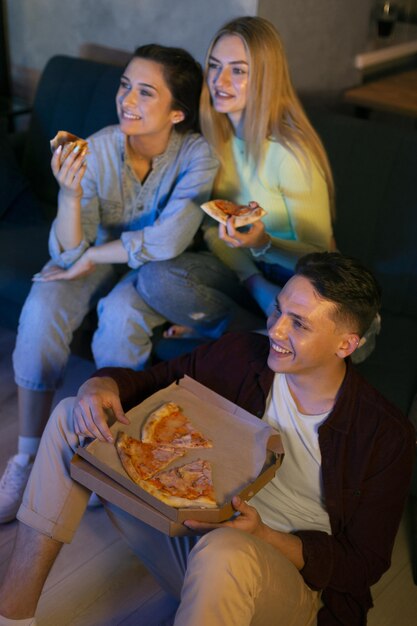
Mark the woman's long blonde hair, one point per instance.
(273, 109)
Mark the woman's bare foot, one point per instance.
(176, 331)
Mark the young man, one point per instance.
(309, 545)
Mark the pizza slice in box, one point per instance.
(243, 214)
(189, 485)
(169, 425)
(167, 434)
(142, 460)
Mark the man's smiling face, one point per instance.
(303, 333)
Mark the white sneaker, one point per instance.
(12, 486)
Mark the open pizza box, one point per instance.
(245, 455)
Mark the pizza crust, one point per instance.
(243, 220)
(177, 502)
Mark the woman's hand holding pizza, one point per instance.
(248, 520)
(97, 403)
(68, 166)
(255, 237)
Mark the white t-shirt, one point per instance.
(293, 499)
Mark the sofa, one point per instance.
(376, 204)
(374, 168)
(73, 94)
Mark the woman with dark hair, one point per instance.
(130, 199)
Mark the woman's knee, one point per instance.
(42, 344)
(189, 269)
(113, 307)
(44, 308)
(160, 277)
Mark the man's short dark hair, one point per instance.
(346, 282)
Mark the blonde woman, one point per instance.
(269, 153)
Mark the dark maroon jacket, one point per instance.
(367, 448)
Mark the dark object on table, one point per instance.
(386, 15)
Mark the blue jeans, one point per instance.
(54, 310)
(198, 290)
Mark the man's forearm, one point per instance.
(289, 545)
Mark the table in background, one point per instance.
(396, 93)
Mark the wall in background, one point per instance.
(321, 36)
(38, 29)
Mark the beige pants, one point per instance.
(228, 579)
(234, 579)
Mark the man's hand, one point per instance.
(83, 266)
(255, 237)
(248, 521)
(97, 401)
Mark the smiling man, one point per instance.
(310, 544)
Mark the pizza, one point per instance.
(167, 434)
(189, 485)
(169, 425)
(63, 137)
(142, 460)
(243, 214)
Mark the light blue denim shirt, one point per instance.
(156, 220)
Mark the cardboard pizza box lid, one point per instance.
(246, 454)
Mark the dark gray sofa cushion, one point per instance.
(375, 171)
(75, 95)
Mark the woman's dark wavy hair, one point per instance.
(345, 282)
(184, 77)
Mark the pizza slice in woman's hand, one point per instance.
(63, 137)
(243, 214)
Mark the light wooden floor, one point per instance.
(97, 581)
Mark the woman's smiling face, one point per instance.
(228, 77)
(144, 101)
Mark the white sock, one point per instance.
(5, 621)
(28, 445)
(22, 459)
